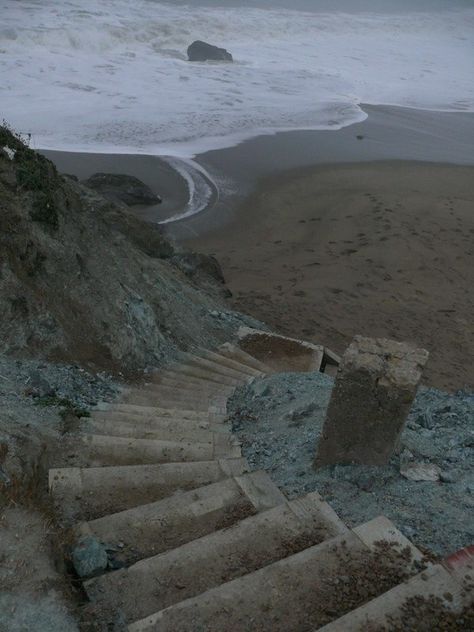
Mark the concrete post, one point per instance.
(374, 390)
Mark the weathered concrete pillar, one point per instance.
(375, 387)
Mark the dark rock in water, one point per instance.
(89, 557)
(122, 188)
(201, 51)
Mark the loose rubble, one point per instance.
(279, 419)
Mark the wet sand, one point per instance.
(377, 248)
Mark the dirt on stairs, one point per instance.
(184, 538)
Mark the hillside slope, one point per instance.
(83, 280)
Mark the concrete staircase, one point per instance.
(201, 543)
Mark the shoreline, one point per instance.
(324, 235)
(388, 133)
(183, 185)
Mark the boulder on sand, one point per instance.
(122, 188)
(201, 51)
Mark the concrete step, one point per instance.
(173, 402)
(163, 580)
(191, 370)
(215, 366)
(301, 592)
(157, 423)
(230, 363)
(157, 411)
(384, 612)
(132, 430)
(101, 450)
(186, 383)
(163, 525)
(190, 385)
(235, 353)
(170, 393)
(89, 493)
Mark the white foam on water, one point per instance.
(201, 187)
(111, 76)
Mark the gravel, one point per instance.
(39, 402)
(279, 420)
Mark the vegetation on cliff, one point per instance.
(84, 280)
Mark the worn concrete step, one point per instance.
(384, 612)
(192, 392)
(171, 393)
(301, 592)
(102, 450)
(155, 423)
(141, 431)
(197, 404)
(215, 366)
(156, 527)
(231, 363)
(88, 493)
(189, 384)
(160, 581)
(235, 353)
(157, 411)
(192, 370)
(185, 382)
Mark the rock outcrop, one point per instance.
(119, 187)
(202, 51)
(82, 280)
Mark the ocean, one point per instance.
(113, 76)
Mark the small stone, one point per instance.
(408, 531)
(449, 476)
(421, 472)
(89, 557)
(426, 420)
(4, 478)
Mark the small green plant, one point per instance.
(44, 210)
(67, 407)
(34, 174)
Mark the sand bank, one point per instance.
(378, 248)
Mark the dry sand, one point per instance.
(381, 249)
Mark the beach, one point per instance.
(379, 249)
(326, 235)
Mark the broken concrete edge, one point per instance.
(375, 387)
(399, 362)
(321, 355)
(461, 565)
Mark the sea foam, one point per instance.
(112, 76)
